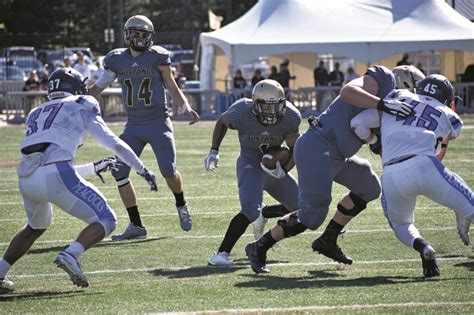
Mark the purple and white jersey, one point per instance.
(143, 90)
(64, 122)
(254, 137)
(420, 133)
(336, 119)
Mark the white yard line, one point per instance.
(384, 230)
(319, 308)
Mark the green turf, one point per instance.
(169, 272)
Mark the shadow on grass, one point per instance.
(281, 283)
(468, 265)
(101, 244)
(12, 296)
(194, 272)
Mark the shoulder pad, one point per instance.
(87, 102)
(109, 58)
(160, 50)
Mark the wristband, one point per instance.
(215, 148)
(381, 105)
(444, 145)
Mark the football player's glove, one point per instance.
(150, 178)
(395, 107)
(376, 147)
(105, 165)
(278, 172)
(212, 158)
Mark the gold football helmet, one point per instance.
(407, 77)
(138, 32)
(269, 101)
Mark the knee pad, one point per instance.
(122, 181)
(109, 225)
(122, 172)
(293, 226)
(359, 205)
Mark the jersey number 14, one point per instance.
(144, 91)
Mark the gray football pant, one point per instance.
(318, 165)
(253, 181)
(159, 134)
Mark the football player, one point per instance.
(54, 131)
(411, 166)
(266, 120)
(144, 71)
(326, 154)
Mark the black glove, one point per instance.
(150, 178)
(105, 165)
(395, 107)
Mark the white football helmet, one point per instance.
(139, 32)
(269, 101)
(407, 77)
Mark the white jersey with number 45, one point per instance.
(420, 133)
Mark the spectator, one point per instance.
(96, 74)
(67, 63)
(273, 73)
(43, 78)
(351, 75)
(239, 81)
(81, 66)
(404, 61)
(33, 82)
(257, 76)
(284, 75)
(321, 76)
(336, 77)
(420, 67)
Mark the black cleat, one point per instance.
(257, 260)
(428, 259)
(330, 250)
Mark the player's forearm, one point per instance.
(94, 90)
(357, 96)
(219, 133)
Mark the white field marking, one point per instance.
(246, 235)
(319, 308)
(293, 264)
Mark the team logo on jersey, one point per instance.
(264, 138)
(135, 65)
(136, 72)
(265, 133)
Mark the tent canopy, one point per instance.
(365, 30)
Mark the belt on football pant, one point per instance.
(399, 160)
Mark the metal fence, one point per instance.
(15, 104)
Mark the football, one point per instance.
(274, 154)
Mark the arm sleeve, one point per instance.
(99, 131)
(85, 170)
(106, 78)
(363, 122)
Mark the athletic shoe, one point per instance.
(132, 232)
(70, 264)
(330, 250)
(221, 259)
(185, 218)
(258, 260)
(5, 283)
(428, 259)
(463, 224)
(259, 226)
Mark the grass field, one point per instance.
(168, 272)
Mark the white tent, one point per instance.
(365, 30)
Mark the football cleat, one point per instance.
(259, 226)
(428, 259)
(185, 218)
(258, 260)
(221, 259)
(132, 232)
(5, 283)
(463, 224)
(70, 264)
(330, 250)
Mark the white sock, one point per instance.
(76, 249)
(4, 268)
